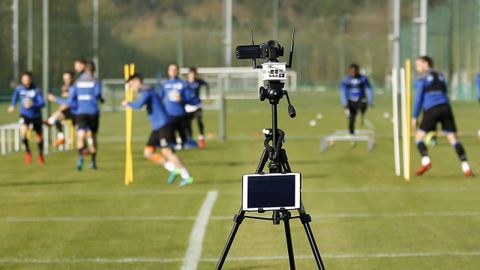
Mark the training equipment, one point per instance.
(367, 136)
(128, 70)
(405, 82)
(274, 138)
(273, 191)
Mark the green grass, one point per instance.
(358, 206)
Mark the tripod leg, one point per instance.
(305, 218)
(291, 258)
(263, 161)
(284, 161)
(237, 221)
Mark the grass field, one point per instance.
(53, 217)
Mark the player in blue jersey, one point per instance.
(175, 95)
(162, 135)
(64, 114)
(31, 103)
(431, 99)
(194, 110)
(356, 94)
(85, 94)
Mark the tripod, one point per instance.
(278, 164)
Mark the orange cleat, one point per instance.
(28, 158)
(40, 160)
(468, 173)
(423, 169)
(59, 142)
(201, 143)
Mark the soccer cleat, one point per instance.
(186, 181)
(28, 158)
(172, 176)
(422, 169)
(80, 163)
(466, 169)
(40, 160)
(93, 165)
(201, 143)
(59, 142)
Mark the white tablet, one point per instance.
(272, 191)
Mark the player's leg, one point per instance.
(450, 128)
(188, 126)
(58, 125)
(172, 160)
(23, 136)
(82, 127)
(363, 110)
(352, 115)
(183, 130)
(93, 143)
(201, 128)
(37, 127)
(428, 124)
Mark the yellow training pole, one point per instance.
(408, 88)
(128, 70)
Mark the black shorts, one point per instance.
(87, 122)
(162, 137)
(195, 114)
(439, 114)
(35, 122)
(68, 115)
(355, 106)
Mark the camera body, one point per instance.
(269, 50)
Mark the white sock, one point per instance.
(60, 135)
(184, 173)
(425, 160)
(51, 120)
(169, 166)
(200, 137)
(465, 166)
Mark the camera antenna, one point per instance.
(290, 58)
(254, 61)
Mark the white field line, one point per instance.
(345, 215)
(201, 192)
(344, 256)
(194, 250)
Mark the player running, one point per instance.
(432, 99)
(31, 102)
(175, 95)
(65, 114)
(85, 94)
(194, 111)
(162, 134)
(356, 94)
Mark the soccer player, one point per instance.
(162, 134)
(195, 111)
(31, 102)
(431, 99)
(85, 94)
(356, 94)
(65, 114)
(175, 95)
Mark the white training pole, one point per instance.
(45, 140)
(9, 140)
(17, 138)
(2, 140)
(396, 127)
(66, 132)
(403, 99)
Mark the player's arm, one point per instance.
(207, 89)
(343, 93)
(98, 92)
(417, 105)
(39, 101)
(14, 101)
(71, 99)
(369, 88)
(139, 103)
